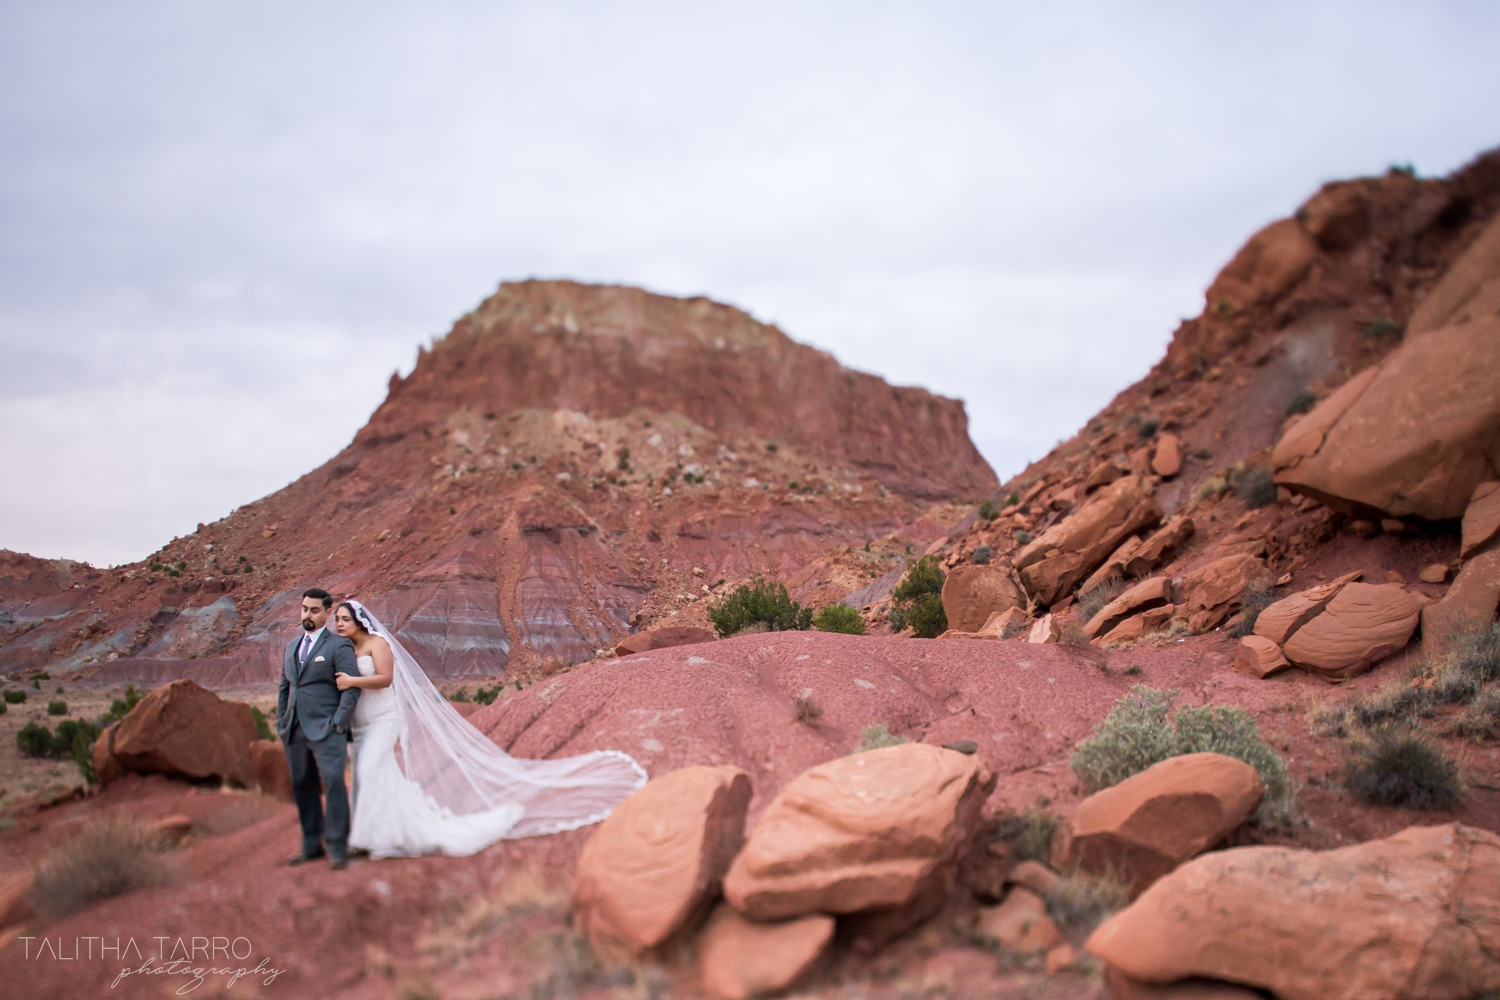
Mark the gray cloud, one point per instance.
(223, 226)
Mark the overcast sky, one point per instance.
(223, 225)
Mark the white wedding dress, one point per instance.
(428, 782)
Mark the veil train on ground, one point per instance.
(463, 772)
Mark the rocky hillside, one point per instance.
(1334, 409)
(568, 461)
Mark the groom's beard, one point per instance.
(308, 626)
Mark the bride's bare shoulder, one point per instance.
(374, 645)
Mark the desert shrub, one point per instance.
(1234, 733)
(759, 603)
(1255, 602)
(34, 740)
(1148, 428)
(1380, 328)
(1022, 536)
(987, 511)
(262, 724)
(15, 697)
(1013, 498)
(839, 618)
(121, 707)
(3, 708)
(487, 695)
(57, 707)
(1303, 400)
(982, 555)
(107, 858)
(1211, 487)
(1481, 720)
(1136, 734)
(877, 736)
(804, 708)
(1083, 900)
(1141, 731)
(1092, 601)
(1400, 767)
(1028, 833)
(919, 599)
(1255, 487)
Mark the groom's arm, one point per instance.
(343, 663)
(282, 694)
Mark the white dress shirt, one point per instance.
(307, 642)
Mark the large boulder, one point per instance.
(1470, 603)
(876, 830)
(1410, 437)
(663, 638)
(1065, 554)
(1363, 624)
(740, 958)
(1266, 267)
(973, 593)
(186, 731)
(1281, 620)
(272, 776)
(1481, 523)
(1212, 592)
(653, 867)
(1153, 821)
(1469, 288)
(107, 767)
(1415, 916)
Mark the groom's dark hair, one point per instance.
(319, 594)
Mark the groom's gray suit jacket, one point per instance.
(308, 691)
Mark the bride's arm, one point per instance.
(385, 665)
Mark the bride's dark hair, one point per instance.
(354, 613)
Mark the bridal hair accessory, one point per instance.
(366, 620)
(463, 772)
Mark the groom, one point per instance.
(312, 718)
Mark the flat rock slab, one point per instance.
(654, 865)
(1151, 822)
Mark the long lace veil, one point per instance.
(464, 772)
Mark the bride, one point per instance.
(427, 782)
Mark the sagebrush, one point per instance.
(1395, 766)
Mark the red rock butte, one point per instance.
(568, 461)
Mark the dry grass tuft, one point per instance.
(1028, 833)
(804, 708)
(1083, 900)
(109, 857)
